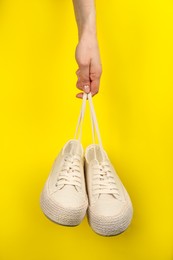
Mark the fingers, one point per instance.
(94, 78)
(79, 95)
(95, 74)
(95, 86)
(88, 59)
(83, 82)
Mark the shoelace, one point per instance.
(104, 181)
(70, 172)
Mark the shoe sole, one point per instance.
(110, 225)
(59, 214)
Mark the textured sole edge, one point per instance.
(59, 214)
(110, 226)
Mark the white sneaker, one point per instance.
(64, 198)
(110, 209)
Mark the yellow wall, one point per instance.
(39, 113)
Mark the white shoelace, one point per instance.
(104, 181)
(70, 171)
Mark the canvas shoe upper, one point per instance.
(64, 198)
(110, 208)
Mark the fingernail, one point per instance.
(86, 88)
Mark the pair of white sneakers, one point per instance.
(80, 183)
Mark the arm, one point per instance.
(87, 50)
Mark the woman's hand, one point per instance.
(87, 50)
(88, 60)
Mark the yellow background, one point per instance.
(39, 113)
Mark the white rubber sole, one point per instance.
(60, 215)
(110, 225)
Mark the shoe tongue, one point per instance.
(94, 162)
(73, 147)
(94, 151)
(76, 149)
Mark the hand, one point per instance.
(90, 69)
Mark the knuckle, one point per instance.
(78, 84)
(85, 82)
(96, 74)
(95, 91)
(84, 77)
(77, 72)
(83, 62)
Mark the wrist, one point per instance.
(87, 28)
